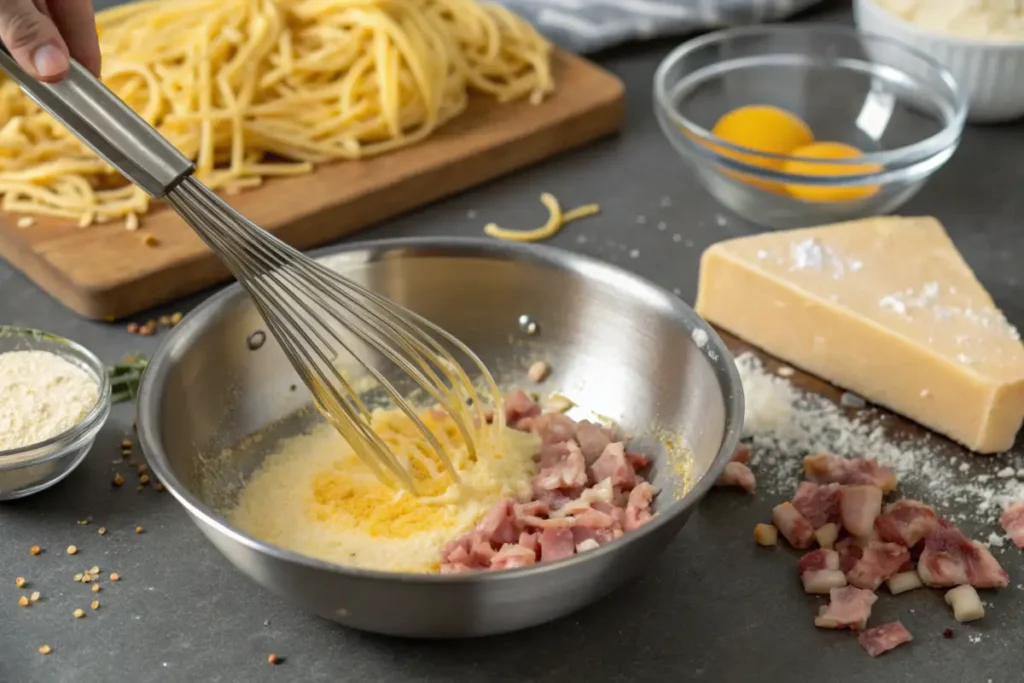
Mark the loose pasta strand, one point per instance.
(556, 221)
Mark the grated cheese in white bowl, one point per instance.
(41, 395)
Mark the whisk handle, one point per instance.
(101, 120)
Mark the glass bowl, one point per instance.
(30, 469)
(901, 108)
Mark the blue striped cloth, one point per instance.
(590, 25)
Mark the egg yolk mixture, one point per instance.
(314, 495)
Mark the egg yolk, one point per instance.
(826, 151)
(761, 128)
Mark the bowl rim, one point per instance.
(910, 28)
(714, 349)
(922, 149)
(57, 446)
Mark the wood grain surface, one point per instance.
(107, 272)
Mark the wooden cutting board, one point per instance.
(106, 272)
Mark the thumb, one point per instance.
(33, 40)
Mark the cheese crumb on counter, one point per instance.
(41, 396)
(315, 496)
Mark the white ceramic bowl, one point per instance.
(991, 73)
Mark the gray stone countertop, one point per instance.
(713, 608)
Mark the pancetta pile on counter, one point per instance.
(862, 542)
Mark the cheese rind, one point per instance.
(886, 307)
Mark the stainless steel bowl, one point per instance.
(618, 345)
(37, 467)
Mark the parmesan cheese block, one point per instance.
(885, 307)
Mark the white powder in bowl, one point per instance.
(41, 396)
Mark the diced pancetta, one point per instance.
(951, 559)
(906, 522)
(638, 508)
(848, 607)
(599, 536)
(535, 508)
(554, 427)
(739, 475)
(532, 522)
(592, 440)
(850, 551)
(859, 506)
(567, 474)
(903, 582)
(556, 544)
(881, 639)
(966, 604)
(531, 541)
(614, 465)
(822, 581)
(879, 561)
(817, 560)
(512, 556)
(819, 571)
(766, 535)
(601, 492)
(819, 503)
(1012, 521)
(553, 453)
(792, 525)
(637, 460)
(519, 406)
(595, 519)
(565, 515)
(827, 535)
(499, 524)
(832, 469)
(741, 454)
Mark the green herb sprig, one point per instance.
(125, 377)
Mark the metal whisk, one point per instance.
(318, 317)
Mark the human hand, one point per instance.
(43, 34)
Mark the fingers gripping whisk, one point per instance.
(330, 327)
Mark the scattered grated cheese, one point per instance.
(784, 423)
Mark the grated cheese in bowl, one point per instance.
(54, 398)
(41, 395)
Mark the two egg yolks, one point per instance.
(771, 130)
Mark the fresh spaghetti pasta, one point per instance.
(251, 89)
(556, 221)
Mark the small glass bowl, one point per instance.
(901, 108)
(28, 470)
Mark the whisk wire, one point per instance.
(307, 306)
(291, 333)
